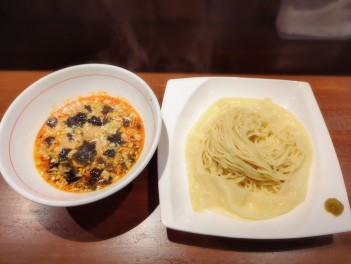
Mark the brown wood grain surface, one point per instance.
(126, 227)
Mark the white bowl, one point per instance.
(32, 107)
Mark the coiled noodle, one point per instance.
(249, 158)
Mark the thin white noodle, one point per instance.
(243, 146)
(248, 157)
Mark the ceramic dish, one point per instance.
(184, 102)
(22, 120)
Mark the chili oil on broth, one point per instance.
(247, 158)
(89, 143)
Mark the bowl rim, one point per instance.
(99, 195)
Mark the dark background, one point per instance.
(214, 36)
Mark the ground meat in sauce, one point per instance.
(69, 136)
(108, 181)
(88, 108)
(85, 163)
(131, 158)
(100, 160)
(105, 120)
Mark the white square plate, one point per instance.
(184, 102)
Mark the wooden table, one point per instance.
(127, 228)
